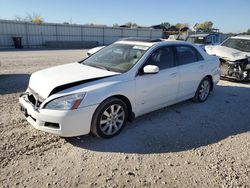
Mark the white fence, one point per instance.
(36, 35)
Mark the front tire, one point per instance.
(203, 90)
(109, 118)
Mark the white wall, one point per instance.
(35, 35)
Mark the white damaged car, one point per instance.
(234, 54)
(116, 84)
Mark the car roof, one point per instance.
(149, 44)
(246, 37)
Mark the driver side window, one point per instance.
(162, 57)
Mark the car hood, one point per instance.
(45, 81)
(226, 53)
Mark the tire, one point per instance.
(109, 118)
(203, 90)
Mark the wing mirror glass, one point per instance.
(150, 69)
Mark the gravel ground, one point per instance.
(185, 145)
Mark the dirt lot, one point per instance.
(185, 145)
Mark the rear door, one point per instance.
(191, 67)
(156, 90)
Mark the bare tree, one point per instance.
(35, 18)
(116, 25)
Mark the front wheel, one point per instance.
(203, 90)
(109, 118)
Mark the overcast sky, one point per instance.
(227, 15)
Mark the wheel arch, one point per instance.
(131, 114)
(211, 80)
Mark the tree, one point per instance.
(131, 25)
(248, 31)
(165, 25)
(116, 25)
(205, 26)
(35, 18)
(179, 26)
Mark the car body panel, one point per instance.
(226, 53)
(44, 81)
(148, 100)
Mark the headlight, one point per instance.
(68, 102)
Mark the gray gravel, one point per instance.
(185, 145)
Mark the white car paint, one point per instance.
(145, 93)
(226, 53)
(50, 78)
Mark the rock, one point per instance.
(130, 173)
(108, 179)
(126, 157)
(170, 164)
(53, 169)
(187, 162)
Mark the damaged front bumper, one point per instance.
(65, 123)
(238, 70)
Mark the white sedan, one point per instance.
(118, 83)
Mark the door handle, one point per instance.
(173, 74)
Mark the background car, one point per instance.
(124, 80)
(234, 54)
(94, 50)
(204, 39)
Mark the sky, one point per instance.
(227, 15)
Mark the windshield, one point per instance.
(196, 40)
(116, 57)
(238, 44)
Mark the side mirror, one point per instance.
(150, 69)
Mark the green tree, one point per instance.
(205, 26)
(248, 31)
(165, 25)
(179, 26)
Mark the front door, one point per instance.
(154, 91)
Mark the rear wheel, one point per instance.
(109, 118)
(203, 90)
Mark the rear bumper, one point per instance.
(65, 123)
